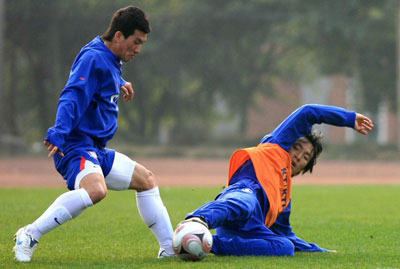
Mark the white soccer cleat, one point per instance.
(25, 245)
(162, 253)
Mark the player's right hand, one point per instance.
(128, 90)
(53, 149)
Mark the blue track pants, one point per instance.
(239, 222)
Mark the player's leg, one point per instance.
(238, 246)
(66, 207)
(237, 216)
(127, 174)
(253, 238)
(240, 230)
(152, 209)
(234, 205)
(71, 204)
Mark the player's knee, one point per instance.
(149, 181)
(98, 194)
(95, 185)
(287, 247)
(146, 181)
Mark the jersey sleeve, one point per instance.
(122, 81)
(300, 123)
(74, 100)
(282, 227)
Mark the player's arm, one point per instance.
(300, 123)
(282, 227)
(74, 100)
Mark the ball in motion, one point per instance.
(192, 241)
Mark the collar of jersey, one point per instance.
(117, 61)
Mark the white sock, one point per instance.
(155, 215)
(66, 207)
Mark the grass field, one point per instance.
(360, 222)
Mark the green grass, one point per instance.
(360, 222)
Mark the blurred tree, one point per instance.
(355, 38)
(215, 48)
(197, 50)
(43, 38)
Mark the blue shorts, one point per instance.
(82, 161)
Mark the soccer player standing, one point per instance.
(86, 120)
(251, 216)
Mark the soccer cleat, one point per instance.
(163, 254)
(25, 245)
(195, 219)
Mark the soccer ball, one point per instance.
(192, 241)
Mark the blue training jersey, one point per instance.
(297, 125)
(88, 107)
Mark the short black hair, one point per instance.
(127, 20)
(315, 139)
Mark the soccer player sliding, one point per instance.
(251, 216)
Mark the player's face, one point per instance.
(301, 153)
(132, 45)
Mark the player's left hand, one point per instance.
(363, 124)
(128, 91)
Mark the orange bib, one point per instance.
(272, 165)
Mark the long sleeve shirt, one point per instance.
(88, 106)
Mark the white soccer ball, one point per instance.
(192, 241)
